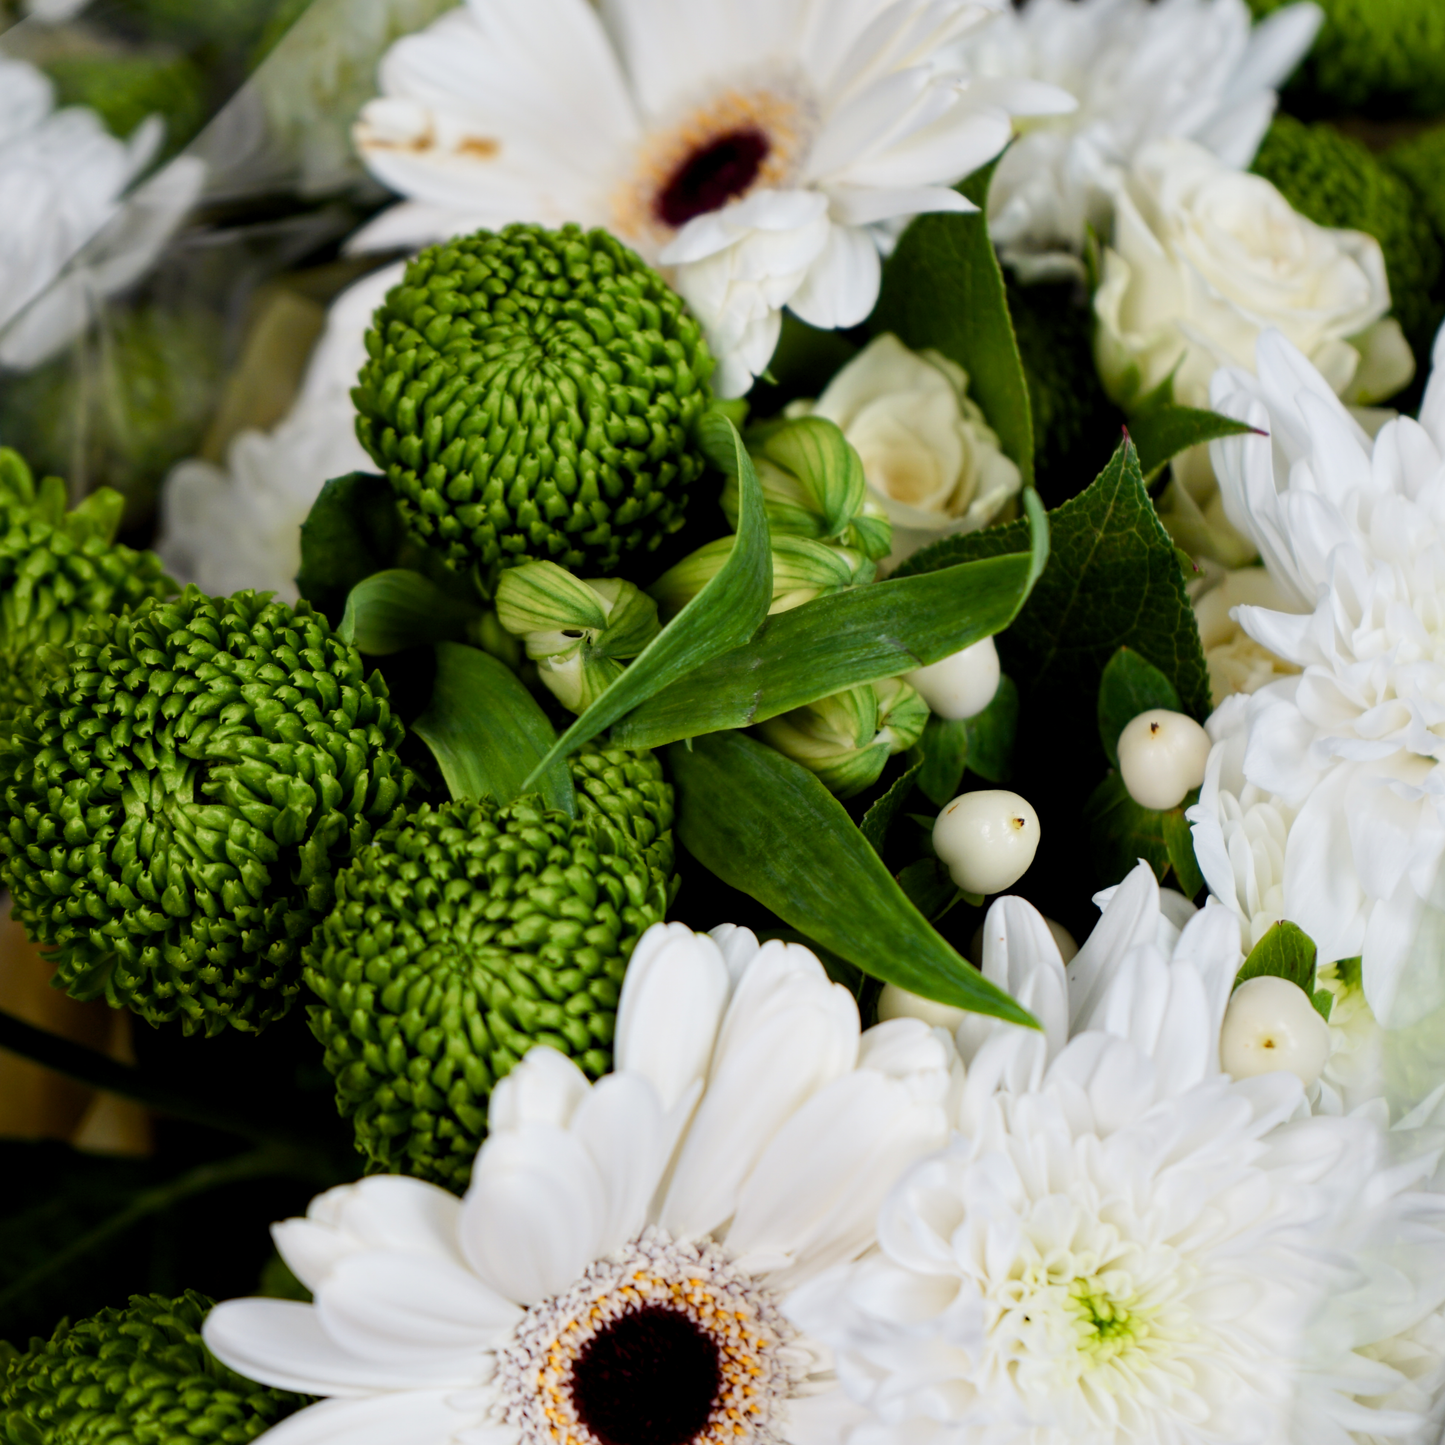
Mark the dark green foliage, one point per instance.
(178, 799)
(134, 1376)
(127, 88)
(57, 570)
(1335, 181)
(533, 394)
(1420, 162)
(464, 936)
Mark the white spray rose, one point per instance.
(1205, 258)
(929, 455)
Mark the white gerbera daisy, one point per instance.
(753, 147)
(616, 1270)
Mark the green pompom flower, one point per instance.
(134, 1376)
(178, 799)
(57, 570)
(1335, 181)
(534, 394)
(626, 786)
(461, 938)
(1420, 163)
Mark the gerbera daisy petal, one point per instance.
(841, 287)
(416, 1418)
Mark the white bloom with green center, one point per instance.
(753, 147)
(1123, 1246)
(617, 1269)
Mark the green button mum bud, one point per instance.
(577, 632)
(813, 486)
(847, 738)
(459, 940)
(134, 1376)
(626, 786)
(177, 802)
(57, 570)
(533, 394)
(802, 570)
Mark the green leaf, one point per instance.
(945, 755)
(1121, 833)
(1179, 840)
(1324, 1001)
(991, 735)
(1112, 580)
(723, 615)
(880, 817)
(842, 641)
(1129, 686)
(943, 288)
(488, 734)
(398, 608)
(928, 887)
(352, 530)
(770, 828)
(1163, 430)
(1285, 951)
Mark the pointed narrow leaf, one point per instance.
(845, 640)
(945, 755)
(400, 608)
(723, 615)
(1164, 430)
(1130, 685)
(1179, 840)
(991, 735)
(770, 828)
(879, 818)
(487, 732)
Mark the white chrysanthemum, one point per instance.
(1353, 532)
(616, 1269)
(1123, 1246)
(1193, 69)
(752, 147)
(237, 526)
(1237, 663)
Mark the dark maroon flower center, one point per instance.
(650, 1377)
(708, 179)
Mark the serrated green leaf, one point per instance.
(879, 818)
(1121, 833)
(841, 641)
(398, 608)
(1179, 840)
(929, 888)
(767, 826)
(488, 734)
(1285, 951)
(352, 530)
(1111, 581)
(943, 288)
(1165, 429)
(1129, 686)
(727, 611)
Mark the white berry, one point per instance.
(986, 840)
(962, 684)
(1271, 1024)
(1161, 758)
(898, 1003)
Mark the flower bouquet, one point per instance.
(747, 697)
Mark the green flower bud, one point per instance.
(847, 738)
(813, 486)
(57, 570)
(134, 1376)
(178, 799)
(802, 570)
(626, 786)
(577, 632)
(533, 393)
(460, 939)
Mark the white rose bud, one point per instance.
(898, 1003)
(986, 840)
(962, 684)
(1161, 758)
(1271, 1024)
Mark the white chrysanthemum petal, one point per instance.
(1021, 956)
(1130, 919)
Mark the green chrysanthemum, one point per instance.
(626, 786)
(1335, 181)
(459, 940)
(533, 394)
(178, 800)
(57, 570)
(1420, 163)
(134, 1376)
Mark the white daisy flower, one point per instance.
(616, 1270)
(1189, 69)
(1122, 1245)
(1352, 751)
(754, 148)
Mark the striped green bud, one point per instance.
(460, 939)
(847, 738)
(813, 486)
(57, 570)
(178, 800)
(533, 394)
(579, 633)
(802, 570)
(134, 1376)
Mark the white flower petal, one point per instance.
(545, 1088)
(415, 1417)
(840, 288)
